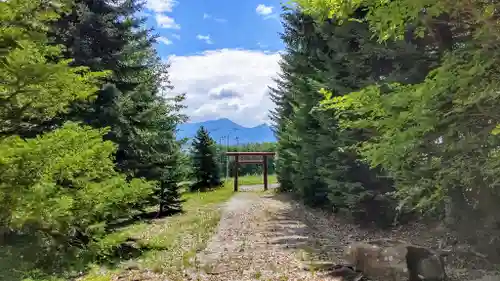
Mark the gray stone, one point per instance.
(395, 260)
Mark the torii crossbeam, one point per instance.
(238, 161)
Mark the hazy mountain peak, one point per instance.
(221, 129)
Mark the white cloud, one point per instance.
(165, 21)
(160, 6)
(264, 10)
(205, 38)
(208, 17)
(176, 36)
(228, 83)
(164, 40)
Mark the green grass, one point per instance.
(169, 244)
(254, 179)
(244, 180)
(176, 240)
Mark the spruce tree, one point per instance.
(105, 36)
(318, 159)
(205, 167)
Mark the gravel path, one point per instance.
(272, 237)
(260, 237)
(269, 237)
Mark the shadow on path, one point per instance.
(322, 237)
(305, 231)
(265, 236)
(258, 238)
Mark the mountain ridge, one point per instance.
(221, 129)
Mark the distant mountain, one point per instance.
(220, 129)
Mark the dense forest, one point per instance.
(387, 111)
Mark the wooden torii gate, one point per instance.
(238, 161)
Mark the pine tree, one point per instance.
(205, 167)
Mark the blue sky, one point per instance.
(229, 23)
(223, 54)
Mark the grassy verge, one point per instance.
(152, 247)
(255, 179)
(171, 243)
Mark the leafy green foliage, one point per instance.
(34, 90)
(387, 19)
(59, 190)
(203, 155)
(317, 155)
(436, 137)
(65, 182)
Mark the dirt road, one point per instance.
(262, 237)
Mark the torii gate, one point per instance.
(238, 161)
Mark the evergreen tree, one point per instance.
(106, 36)
(317, 158)
(437, 137)
(61, 188)
(205, 168)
